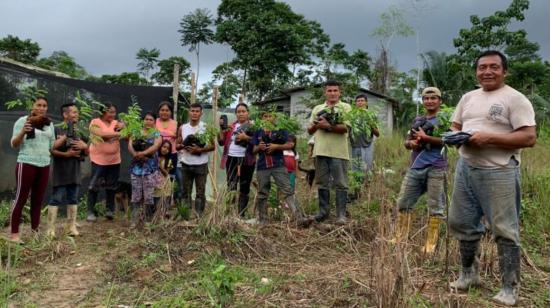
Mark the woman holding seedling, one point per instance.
(238, 159)
(105, 159)
(34, 136)
(144, 167)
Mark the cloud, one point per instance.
(104, 36)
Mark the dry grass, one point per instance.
(324, 266)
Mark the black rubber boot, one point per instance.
(469, 274)
(509, 263)
(341, 201)
(262, 213)
(243, 204)
(134, 216)
(199, 207)
(149, 211)
(92, 199)
(324, 207)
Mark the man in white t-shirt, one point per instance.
(486, 183)
(193, 159)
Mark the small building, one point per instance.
(294, 101)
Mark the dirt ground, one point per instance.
(173, 264)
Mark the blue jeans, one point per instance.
(64, 195)
(429, 180)
(363, 158)
(493, 193)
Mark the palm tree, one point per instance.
(148, 59)
(196, 29)
(445, 72)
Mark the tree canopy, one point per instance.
(61, 61)
(195, 29)
(25, 51)
(147, 60)
(267, 38)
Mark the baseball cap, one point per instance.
(431, 90)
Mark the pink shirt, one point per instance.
(106, 152)
(168, 130)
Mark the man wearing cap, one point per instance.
(486, 182)
(426, 173)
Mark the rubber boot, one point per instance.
(262, 213)
(199, 207)
(301, 221)
(52, 217)
(341, 202)
(243, 204)
(72, 211)
(150, 210)
(92, 199)
(324, 208)
(404, 221)
(110, 203)
(134, 216)
(509, 263)
(433, 235)
(469, 274)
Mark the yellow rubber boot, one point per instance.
(52, 217)
(71, 220)
(404, 221)
(433, 235)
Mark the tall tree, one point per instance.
(195, 29)
(229, 83)
(165, 75)
(147, 60)
(359, 62)
(392, 24)
(492, 32)
(61, 61)
(25, 51)
(268, 38)
(526, 71)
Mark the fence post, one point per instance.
(176, 89)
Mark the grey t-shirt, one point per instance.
(361, 141)
(66, 170)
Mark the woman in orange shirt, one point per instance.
(105, 158)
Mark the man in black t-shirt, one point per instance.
(66, 169)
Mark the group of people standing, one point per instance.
(499, 119)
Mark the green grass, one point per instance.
(224, 272)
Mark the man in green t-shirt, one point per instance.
(331, 151)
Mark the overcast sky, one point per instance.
(104, 36)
